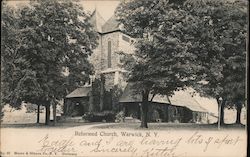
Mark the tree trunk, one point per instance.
(54, 112)
(144, 110)
(38, 114)
(221, 110)
(47, 116)
(238, 108)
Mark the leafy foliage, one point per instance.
(50, 57)
(107, 116)
(199, 43)
(161, 63)
(161, 60)
(221, 48)
(120, 116)
(116, 95)
(11, 61)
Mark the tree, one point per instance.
(161, 63)
(187, 43)
(11, 61)
(236, 62)
(55, 37)
(220, 49)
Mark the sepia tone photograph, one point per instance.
(124, 78)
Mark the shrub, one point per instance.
(88, 116)
(30, 108)
(120, 117)
(107, 116)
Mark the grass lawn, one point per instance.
(42, 125)
(170, 126)
(130, 126)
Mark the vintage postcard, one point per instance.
(124, 78)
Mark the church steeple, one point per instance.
(97, 20)
(111, 25)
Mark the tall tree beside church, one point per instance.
(220, 47)
(161, 63)
(11, 61)
(184, 43)
(56, 37)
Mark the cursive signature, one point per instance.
(49, 146)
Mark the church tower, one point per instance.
(105, 58)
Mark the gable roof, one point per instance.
(179, 98)
(131, 94)
(111, 25)
(185, 99)
(97, 21)
(79, 92)
(102, 26)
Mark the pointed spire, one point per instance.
(95, 7)
(96, 20)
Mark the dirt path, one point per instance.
(91, 126)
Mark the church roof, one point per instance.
(97, 21)
(179, 98)
(111, 25)
(184, 99)
(131, 94)
(79, 92)
(103, 26)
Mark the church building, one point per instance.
(105, 58)
(107, 66)
(181, 107)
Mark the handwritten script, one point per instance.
(53, 146)
(139, 143)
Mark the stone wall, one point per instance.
(126, 43)
(119, 42)
(114, 39)
(99, 58)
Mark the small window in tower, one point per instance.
(109, 54)
(125, 38)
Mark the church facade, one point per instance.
(105, 58)
(107, 66)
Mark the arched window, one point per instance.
(109, 54)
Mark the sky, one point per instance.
(105, 7)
